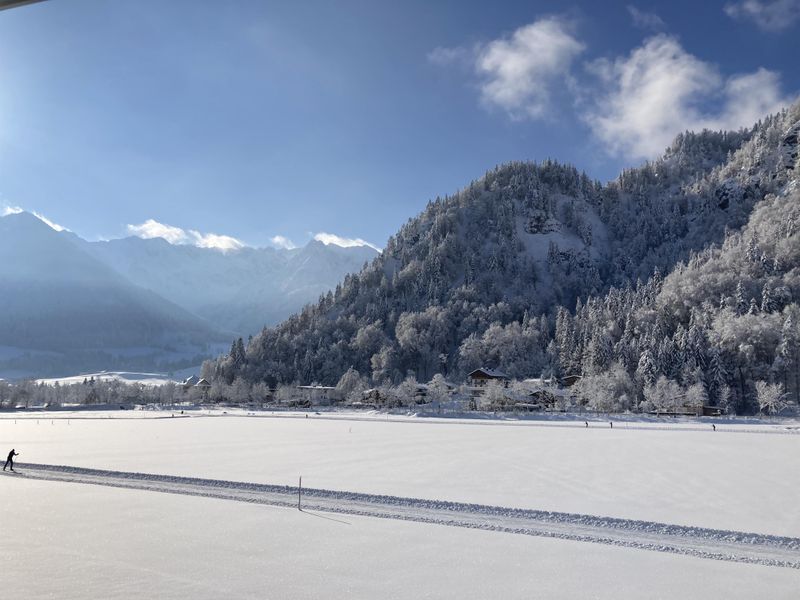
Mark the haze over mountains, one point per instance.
(239, 291)
(69, 305)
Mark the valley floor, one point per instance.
(658, 510)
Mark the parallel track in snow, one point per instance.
(736, 546)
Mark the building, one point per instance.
(570, 380)
(203, 386)
(190, 382)
(319, 395)
(479, 378)
(545, 394)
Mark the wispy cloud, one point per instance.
(518, 73)
(223, 243)
(282, 242)
(659, 90)
(176, 235)
(768, 15)
(153, 229)
(15, 210)
(645, 20)
(11, 210)
(332, 238)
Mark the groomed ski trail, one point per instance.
(736, 546)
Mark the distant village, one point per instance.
(485, 389)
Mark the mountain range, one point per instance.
(536, 269)
(69, 305)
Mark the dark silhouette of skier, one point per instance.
(612, 424)
(10, 459)
(713, 427)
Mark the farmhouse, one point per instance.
(479, 378)
(190, 382)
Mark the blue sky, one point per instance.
(254, 120)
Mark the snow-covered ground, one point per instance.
(150, 379)
(78, 540)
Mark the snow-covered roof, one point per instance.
(492, 373)
(203, 383)
(191, 380)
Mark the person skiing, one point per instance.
(10, 459)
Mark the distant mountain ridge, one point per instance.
(62, 309)
(241, 291)
(68, 305)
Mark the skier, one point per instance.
(713, 427)
(612, 424)
(586, 424)
(10, 459)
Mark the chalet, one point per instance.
(203, 386)
(190, 382)
(479, 378)
(321, 395)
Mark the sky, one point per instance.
(264, 123)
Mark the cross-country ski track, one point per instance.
(700, 542)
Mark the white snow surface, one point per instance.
(77, 542)
(626, 488)
(148, 379)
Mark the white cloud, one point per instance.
(645, 99)
(223, 243)
(750, 97)
(768, 15)
(153, 229)
(331, 238)
(645, 20)
(11, 210)
(517, 73)
(283, 242)
(15, 210)
(176, 235)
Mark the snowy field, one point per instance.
(68, 539)
(149, 379)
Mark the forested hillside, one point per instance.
(536, 269)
